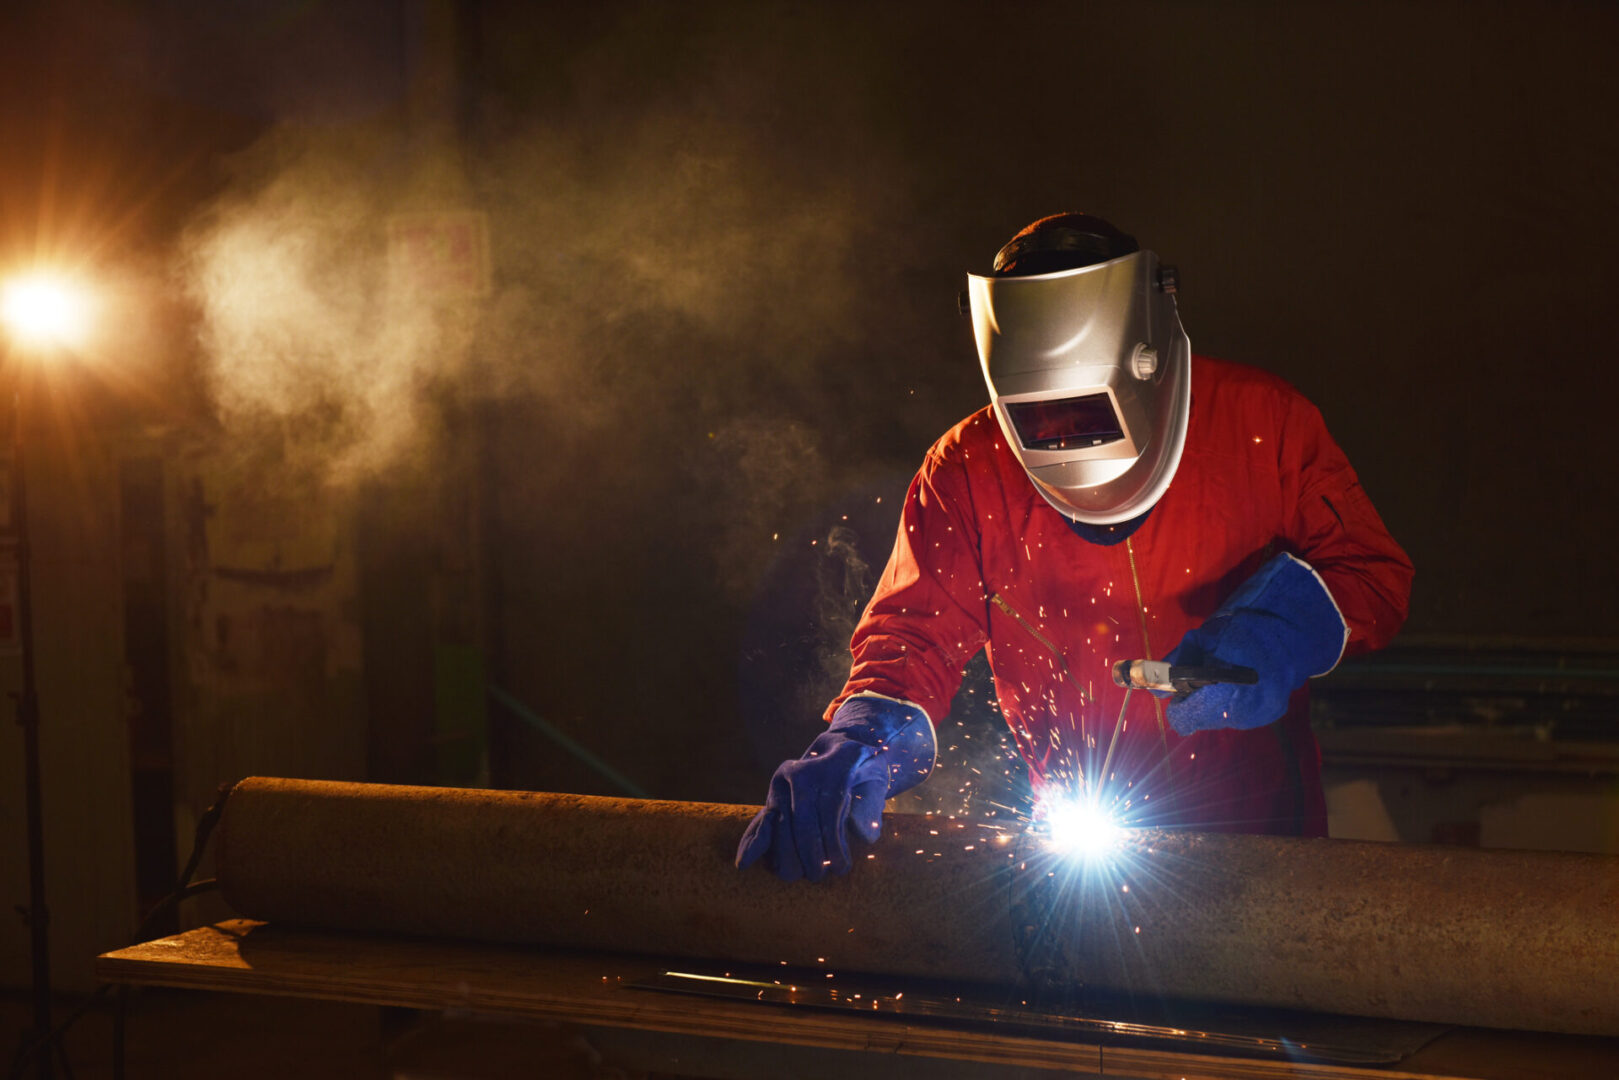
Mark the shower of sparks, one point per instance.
(1053, 784)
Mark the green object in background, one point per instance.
(460, 720)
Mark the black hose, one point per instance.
(184, 889)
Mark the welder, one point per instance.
(1118, 499)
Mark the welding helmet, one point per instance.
(1088, 368)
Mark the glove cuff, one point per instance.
(899, 731)
(1289, 588)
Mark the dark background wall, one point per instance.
(641, 480)
(1401, 208)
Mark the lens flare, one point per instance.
(1080, 827)
(45, 311)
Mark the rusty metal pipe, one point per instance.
(630, 875)
(1451, 935)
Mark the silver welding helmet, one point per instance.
(1089, 373)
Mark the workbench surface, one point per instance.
(592, 991)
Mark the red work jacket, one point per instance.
(982, 561)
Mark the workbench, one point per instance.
(642, 1030)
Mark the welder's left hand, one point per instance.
(875, 747)
(1284, 624)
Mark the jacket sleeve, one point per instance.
(1331, 523)
(926, 618)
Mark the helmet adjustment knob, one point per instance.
(1144, 361)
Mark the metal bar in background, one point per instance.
(562, 739)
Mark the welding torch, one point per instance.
(1177, 679)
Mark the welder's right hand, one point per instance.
(875, 747)
(1284, 624)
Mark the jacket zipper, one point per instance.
(1000, 601)
(1146, 644)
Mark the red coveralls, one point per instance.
(982, 560)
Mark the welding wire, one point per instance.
(1112, 744)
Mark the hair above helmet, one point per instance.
(1062, 242)
(1088, 367)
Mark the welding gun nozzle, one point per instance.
(1121, 672)
(1141, 674)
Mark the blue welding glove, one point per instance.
(875, 747)
(1284, 624)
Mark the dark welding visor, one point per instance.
(1066, 424)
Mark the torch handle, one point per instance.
(1177, 678)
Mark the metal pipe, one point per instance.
(1450, 935)
(628, 875)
